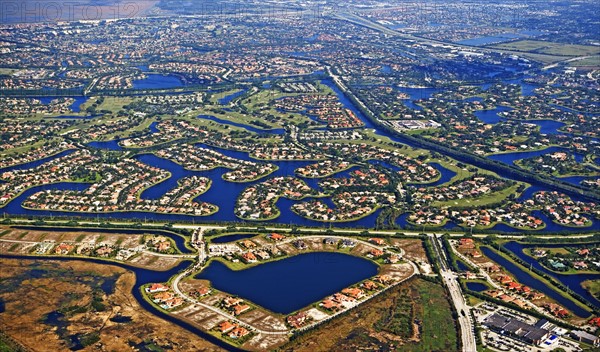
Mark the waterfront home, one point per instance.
(375, 253)
(238, 332)
(163, 296)
(240, 308)
(466, 243)
(584, 252)
(173, 302)
(377, 241)
(63, 249)
(202, 291)
(557, 265)
(104, 251)
(162, 246)
(330, 241)
(580, 265)
(248, 244)
(475, 254)
(595, 322)
(262, 255)
(353, 292)
(297, 320)
(513, 286)
(383, 279)
(249, 257)
(341, 298)
(540, 253)
(157, 288)
(276, 237)
(493, 293)
(556, 310)
(504, 279)
(229, 302)
(226, 327)
(392, 259)
(300, 244)
(348, 243)
(330, 304)
(369, 285)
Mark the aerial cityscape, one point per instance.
(381, 175)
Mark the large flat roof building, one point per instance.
(516, 328)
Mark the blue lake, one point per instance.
(109, 145)
(547, 126)
(481, 41)
(157, 81)
(526, 88)
(227, 99)
(153, 127)
(571, 281)
(526, 279)
(416, 94)
(290, 284)
(461, 265)
(491, 116)
(75, 106)
(477, 286)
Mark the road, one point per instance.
(246, 227)
(465, 320)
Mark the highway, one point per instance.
(465, 320)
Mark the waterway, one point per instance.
(290, 284)
(573, 282)
(219, 187)
(231, 238)
(525, 278)
(229, 98)
(510, 158)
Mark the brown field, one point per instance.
(67, 284)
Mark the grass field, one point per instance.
(389, 322)
(549, 48)
(593, 287)
(491, 198)
(7, 71)
(589, 61)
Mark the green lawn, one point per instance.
(549, 48)
(480, 201)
